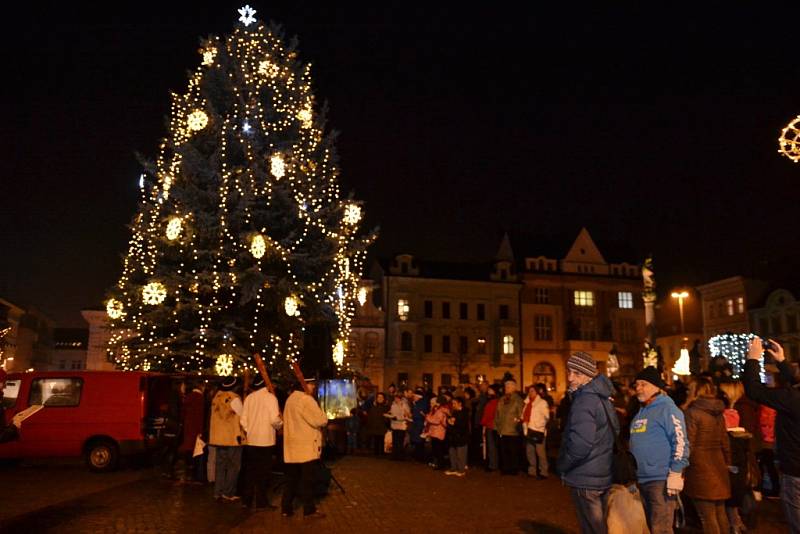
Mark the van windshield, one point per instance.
(10, 393)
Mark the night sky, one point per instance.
(655, 129)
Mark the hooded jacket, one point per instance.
(585, 458)
(707, 476)
(658, 440)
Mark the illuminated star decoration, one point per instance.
(246, 128)
(247, 17)
(789, 141)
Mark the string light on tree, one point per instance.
(338, 353)
(268, 68)
(306, 116)
(154, 293)
(789, 141)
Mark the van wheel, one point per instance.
(102, 455)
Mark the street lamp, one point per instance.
(680, 296)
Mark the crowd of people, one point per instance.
(708, 443)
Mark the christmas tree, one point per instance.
(242, 241)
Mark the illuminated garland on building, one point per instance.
(732, 347)
(243, 237)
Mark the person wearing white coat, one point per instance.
(535, 415)
(303, 420)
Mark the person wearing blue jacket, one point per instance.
(661, 448)
(585, 458)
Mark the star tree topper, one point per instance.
(247, 17)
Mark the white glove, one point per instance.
(674, 483)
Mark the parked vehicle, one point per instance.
(100, 415)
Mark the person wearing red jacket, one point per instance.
(489, 433)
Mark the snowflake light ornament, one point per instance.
(352, 214)
(247, 17)
(174, 228)
(224, 365)
(197, 120)
(154, 293)
(789, 141)
(277, 166)
(114, 309)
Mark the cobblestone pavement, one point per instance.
(381, 496)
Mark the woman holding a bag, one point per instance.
(535, 415)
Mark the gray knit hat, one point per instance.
(581, 362)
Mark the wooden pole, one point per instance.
(263, 372)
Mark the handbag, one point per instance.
(623, 462)
(534, 436)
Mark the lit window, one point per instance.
(508, 344)
(481, 345)
(625, 299)
(403, 309)
(740, 302)
(584, 298)
(730, 306)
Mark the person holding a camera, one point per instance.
(786, 401)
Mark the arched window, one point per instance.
(370, 344)
(405, 341)
(545, 373)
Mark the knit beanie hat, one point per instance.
(651, 374)
(583, 363)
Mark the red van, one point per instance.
(100, 415)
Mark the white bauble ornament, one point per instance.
(114, 309)
(277, 167)
(258, 246)
(291, 305)
(174, 228)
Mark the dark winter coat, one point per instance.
(376, 422)
(458, 431)
(707, 476)
(748, 419)
(786, 401)
(584, 460)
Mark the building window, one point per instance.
(627, 330)
(625, 299)
(370, 344)
(405, 341)
(402, 379)
(445, 310)
(429, 309)
(481, 312)
(463, 344)
(463, 378)
(730, 306)
(508, 344)
(56, 391)
(427, 380)
(76, 364)
(446, 344)
(543, 327)
(504, 312)
(463, 311)
(542, 295)
(428, 343)
(447, 380)
(584, 298)
(545, 373)
(481, 345)
(403, 309)
(588, 329)
(740, 304)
